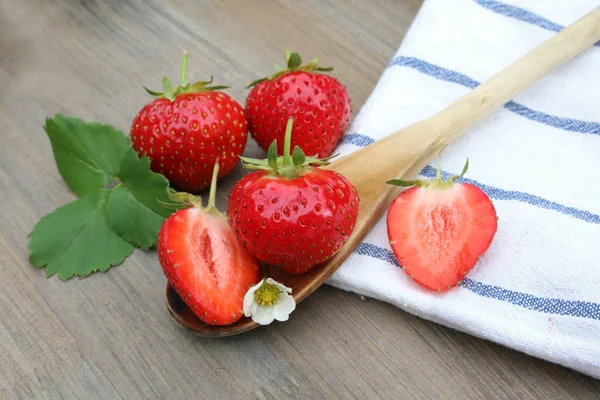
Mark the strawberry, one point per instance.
(319, 104)
(438, 229)
(186, 128)
(290, 212)
(204, 261)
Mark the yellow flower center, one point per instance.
(266, 295)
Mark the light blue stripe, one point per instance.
(443, 74)
(356, 139)
(521, 14)
(580, 309)
(493, 192)
(501, 194)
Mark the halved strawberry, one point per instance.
(204, 261)
(438, 229)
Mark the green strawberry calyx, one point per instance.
(186, 200)
(291, 164)
(294, 63)
(436, 183)
(185, 86)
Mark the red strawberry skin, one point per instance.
(319, 103)
(295, 223)
(438, 234)
(184, 137)
(206, 264)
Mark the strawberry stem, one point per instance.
(184, 68)
(289, 165)
(438, 172)
(213, 187)
(293, 63)
(287, 143)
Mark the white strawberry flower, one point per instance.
(268, 300)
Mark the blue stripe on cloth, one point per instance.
(443, 74)
(493, 192)
(521, 14)
(581, 309)
(356, 139)
(501, 194)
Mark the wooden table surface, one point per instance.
(110, 336)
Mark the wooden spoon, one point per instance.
(405, 153)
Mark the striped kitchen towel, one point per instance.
(537, 289)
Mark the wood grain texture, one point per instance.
(110, 336)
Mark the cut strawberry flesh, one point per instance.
(438, 234)
(207, 265)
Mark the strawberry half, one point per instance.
(438, 229)
(204, 261)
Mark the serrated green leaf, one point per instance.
(88, 154)
(76, 239)
(133, 207)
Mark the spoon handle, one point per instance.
(485, 98)
(404, 151)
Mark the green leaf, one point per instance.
(464, 171)
(203, 83)
(218, 87)
(399, 182)
(272, 155)
(254, 161)
(133, 207)
(152, 92)
(166, 84)
(76, 240)
(256, 82)
(298, 157)
(88, 154)
(294, 60)
(101, 228)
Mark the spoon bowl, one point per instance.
(302, 286)
(403, 154)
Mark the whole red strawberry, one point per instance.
(204, 261)
(438, 229)
(319, 104)
(186, 128)
(291, 213)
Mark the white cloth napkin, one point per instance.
(537, 289)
